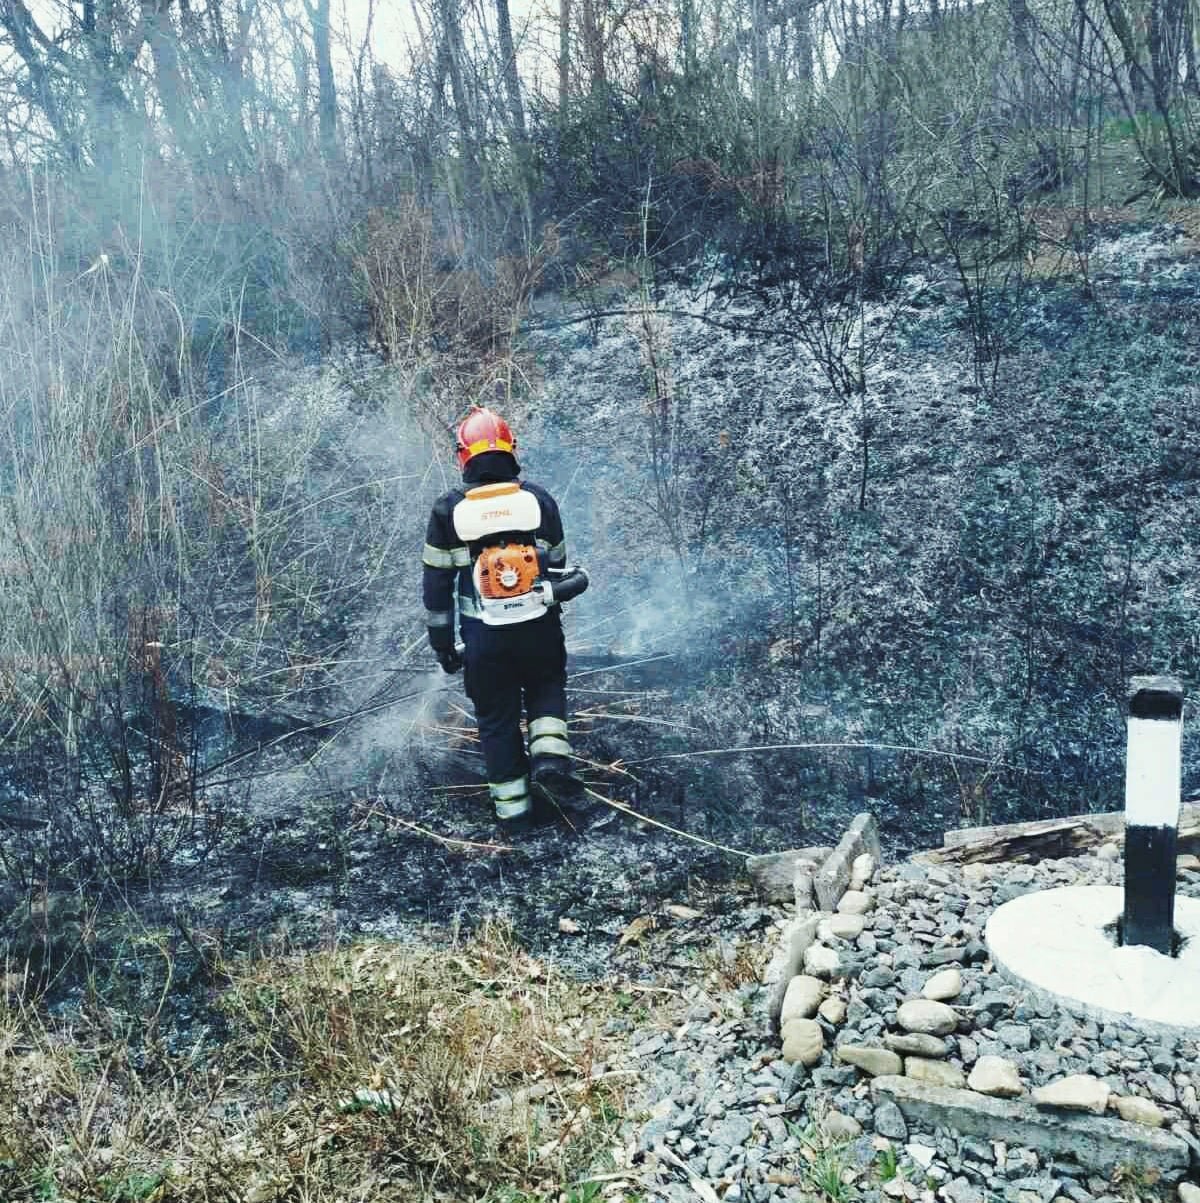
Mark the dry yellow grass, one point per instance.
(1058, 226)
(372, 1072)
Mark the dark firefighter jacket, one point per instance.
(447, 562)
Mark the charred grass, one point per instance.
(372, 1071)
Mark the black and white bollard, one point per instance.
(1152, 789)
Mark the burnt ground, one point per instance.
(380, 827)
(401, 843)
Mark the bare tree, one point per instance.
(512, 76)
(564, 53)
(318, 15)
(1144, 71)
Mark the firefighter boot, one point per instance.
(552, 783)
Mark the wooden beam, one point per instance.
(1046, 839)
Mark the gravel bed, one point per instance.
(717, 1112)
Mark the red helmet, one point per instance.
(482, 430)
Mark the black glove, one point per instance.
(449, 659)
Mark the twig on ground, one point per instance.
(687, 835)
(634, 718)
(698, 1184)
(618, 667)
(447, 841)
(860, 745)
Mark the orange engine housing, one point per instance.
(507, 571)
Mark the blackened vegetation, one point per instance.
(957, 569)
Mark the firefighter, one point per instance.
(496, 546)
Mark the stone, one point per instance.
(1109, 851)
(1185, 1133)
(936, 1073)
(833, 1077)
(774, 873)
(803, 997)
(803, 1041)
(842, 927)
(833, 1010)
(1136, 1110)
(833, 877)
(1035, 1190)
(925, 1015)
(1189, 1193)
(793, 1081)
(1015, 1035)
(786, 962)
(889, 1121)
(731, 1132)
(1076, 1092)
(837, 1126)
(872, 1061)
(821, 961)
(944, 985)
(917, 1044)
(879, 978)
(996, 1076)
(923, 1155)
(960, 1190)
(1099, 1143)
(1161, 1088)
(999, 1002)
(976, 952)
(855, 902)
(862, 869)
(950, 954)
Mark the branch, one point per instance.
(779, 16)
(24, 31)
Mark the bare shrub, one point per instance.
(431, 309)
(170, 558)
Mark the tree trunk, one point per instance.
(512, 77)
(802, 54)
(1022, 27)
(164, 51)
(564, 53)
(318, 14)
(687, 38)
(1167, 30)
(758, 45)
(452, 60)
(593, 42)
(232, 69)
(1191, 33)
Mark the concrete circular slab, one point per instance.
(1054, 943)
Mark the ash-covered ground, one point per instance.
(385, 827)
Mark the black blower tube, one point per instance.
(571, 583)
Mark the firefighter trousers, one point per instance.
(508, 670)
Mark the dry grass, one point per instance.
(1061, 230)
(1185, 215)
(373, 1072)
(432, 311)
